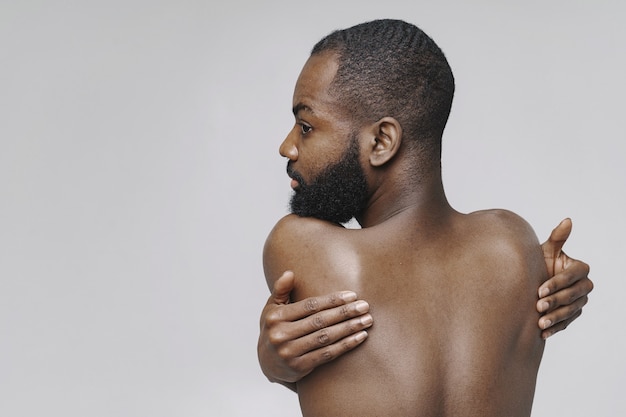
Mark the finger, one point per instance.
(335, 301)
(286, 327)
(333, 316)
(309, 361)
(558, 236)
(563, 314)
(331, 334)
(551, 331)
(565, 297)
(576, 271)
(324, 337)
(560, 298)
(282, 288)
(552, 247)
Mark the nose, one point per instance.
(288, 148)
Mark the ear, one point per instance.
(386, 140)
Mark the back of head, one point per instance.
(392, 68)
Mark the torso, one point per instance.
(454, 330)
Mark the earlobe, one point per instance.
(386, 142)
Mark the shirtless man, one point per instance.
(454, 295)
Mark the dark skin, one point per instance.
(290, 346)
(468, 285)
(425, 268)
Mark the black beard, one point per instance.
(337, 194)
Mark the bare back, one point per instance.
(455, 330)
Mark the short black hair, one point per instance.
(392, 68)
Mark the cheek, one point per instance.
(309, 171)
(310, 161)
(315, 154)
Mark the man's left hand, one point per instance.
(562, 297)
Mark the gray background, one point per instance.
(139, 177)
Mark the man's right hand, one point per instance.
(297, 337)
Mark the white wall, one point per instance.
(139, 176)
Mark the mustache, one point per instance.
(294, 174)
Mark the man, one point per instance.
(453, 294)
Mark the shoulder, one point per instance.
(509, 242)
(293, 224)
(504, 224)
(292, 233)
(300, 244)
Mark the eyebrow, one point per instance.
(301, 107)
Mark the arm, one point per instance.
(296, 337)
(563, 296)
(285, 346)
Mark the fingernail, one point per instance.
(361, 336)
(545, 324)
(544, 292)
(544, 305)
(348, 296)
(367, 320)
(362, 306)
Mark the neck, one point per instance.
(424, 200)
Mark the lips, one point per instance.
(296, 178)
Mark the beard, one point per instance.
(337, 194)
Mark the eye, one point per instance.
(304, 128)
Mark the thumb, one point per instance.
(552, 247)
(283, 287)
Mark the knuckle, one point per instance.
(323, 338)
(318, 322)
(344, 311)
(273, 317)
(568, 275)
(571, 297)
(318, 340)
(577, 272)
(285, 353)
(571, 310)
(276, 337)
(346, 344)
(333, 299)
(296, 365)
(311, 305)
(326, 355)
